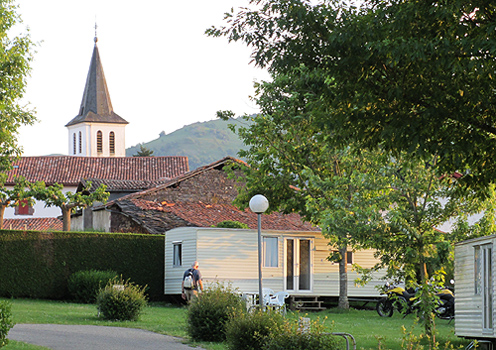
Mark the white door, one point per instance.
(298, 252)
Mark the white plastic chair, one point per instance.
(267, 294)
(277, 301)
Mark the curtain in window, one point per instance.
(270, 251)
(176, 254)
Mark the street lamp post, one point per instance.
(259, 204)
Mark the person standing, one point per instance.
(192, 282)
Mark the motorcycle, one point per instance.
(446, 307)
(396, 298)
(405, 301)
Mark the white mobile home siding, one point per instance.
(231, 256)
(468, 304)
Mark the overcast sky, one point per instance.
(162, 71)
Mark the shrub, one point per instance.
(231, 224)
(84, 285)
(5, 322)
(249, 331)
(121, 300)
(208, 314)
(290, 337)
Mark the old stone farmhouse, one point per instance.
(200, 198)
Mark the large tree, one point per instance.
(406, 237)
(415, 76)
(54, 196)
(15, 58)
(286, 149)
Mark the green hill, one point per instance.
(203, 143)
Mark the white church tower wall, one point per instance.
(97, 140)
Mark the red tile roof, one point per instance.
(33, 224)
(69, 170)
(206, 215)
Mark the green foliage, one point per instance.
(121, 300)
(210, 312)
(231, 224)
(15, 53)
(143, 152)
(249, 331)
(291, 337)
(203, 143)
(40, 263)
(409, 76)
(84, 286)
(6, 322)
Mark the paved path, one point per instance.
(68, 337)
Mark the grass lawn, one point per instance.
(365, 325)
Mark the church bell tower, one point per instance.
(97, 131)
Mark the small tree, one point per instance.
(53, 196)
(143, 152)
(19, 195)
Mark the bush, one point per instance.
(208, 314)
(84, 285)
(5, 322)
(290, 337)
(231, 224)
(249, 331)
(121, 300)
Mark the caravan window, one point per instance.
(177, 252)
(477, 270)
(270, 251)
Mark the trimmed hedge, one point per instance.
(38, 264)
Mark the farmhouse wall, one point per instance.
(122, 223)
(213, 187)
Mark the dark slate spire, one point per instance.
(96, 106)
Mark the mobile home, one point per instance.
(295, 262)
(474, 283)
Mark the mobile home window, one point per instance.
(177, 253)
(270, 251)
(478, 270)
(349, 256)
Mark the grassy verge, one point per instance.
(366, 326)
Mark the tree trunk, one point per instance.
(427, 302)
(343, 279)
(66, 215)
(2, 211)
